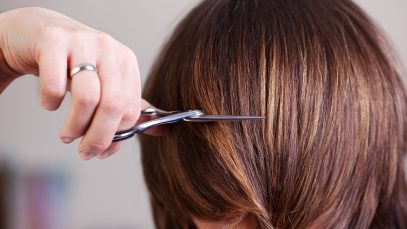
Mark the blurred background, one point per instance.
(43, 182)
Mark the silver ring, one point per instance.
(82, 67)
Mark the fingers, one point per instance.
(52, 71)
(108, 114)
(104, 101)
(132, 90)
(131, 78)
(119, 105)
(85, 98)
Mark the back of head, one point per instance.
(330, 152)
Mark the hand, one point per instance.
(45, 43)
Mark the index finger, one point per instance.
(108, 114)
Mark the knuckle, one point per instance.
(52, 31)
(88, 100)
(53, 91)
(105, 40)
(130, 59)
(131, 115)
(132, 111)
(129, 53)
(52, 36)
(113, 107)
(81, 38)
(109, 47)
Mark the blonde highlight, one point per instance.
(330, 152)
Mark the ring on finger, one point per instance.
(82, 67)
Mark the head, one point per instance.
(329, 153)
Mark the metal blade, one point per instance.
(215, 118)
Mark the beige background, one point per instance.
(111, 193)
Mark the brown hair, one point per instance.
(330, 153)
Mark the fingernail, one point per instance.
(87, 155)
(67, 140)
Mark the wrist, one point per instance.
(7, 74)
(5, 78)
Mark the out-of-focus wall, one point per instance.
(392, 19)
(111, 193)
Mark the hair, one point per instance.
(329, 153)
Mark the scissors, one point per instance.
(166, 117)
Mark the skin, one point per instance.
(47, 44)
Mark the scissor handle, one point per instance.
(140, 128)
(124, 134)
(156, 111)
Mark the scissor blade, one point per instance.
(215, 118)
